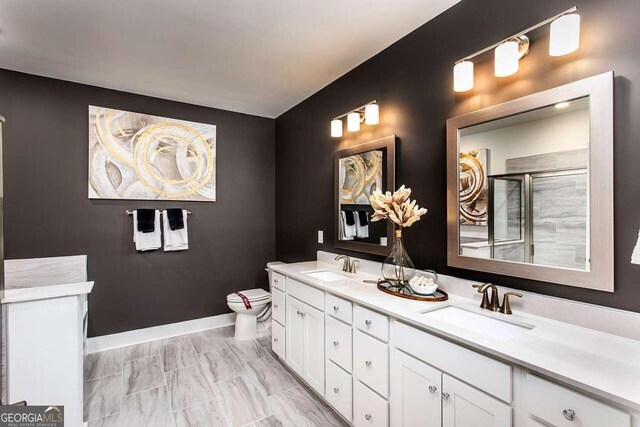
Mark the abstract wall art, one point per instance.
(360, 175)
(142, 157)
(474, 187)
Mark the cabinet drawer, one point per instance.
(371, 362)
(556, 405)
(369, 409)
(305, 293)
(339, 385)
(373, 323)
(339, 348)
(277, 306)
(480, 371)
(340, 308)
(278, 281)
(277, 339)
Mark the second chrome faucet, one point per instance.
(492, 303)
(348, 265)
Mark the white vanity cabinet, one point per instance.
(304, 333)
(377, 371)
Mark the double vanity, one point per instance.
(380, 360)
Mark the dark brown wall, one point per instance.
(47, 212)
(412, 81)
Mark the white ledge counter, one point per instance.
(601, 364)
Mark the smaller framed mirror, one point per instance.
(530, 186)
(359, 171)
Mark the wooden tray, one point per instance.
(438, 296)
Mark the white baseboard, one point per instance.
(138, 336)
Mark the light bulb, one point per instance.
(372, 114)
(507, 59)
(336, 128)
(463, 76)
(353, 122)
(565, 35)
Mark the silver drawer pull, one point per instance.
(275, 340)
(298, 312)
(569, 414)
(336, 308)
(335, 343)
(433, 388)
(302, 313)
(367, 322)
(275, 280)
(367, 417)
(275, 305)
(445, 396)
(336, 390)
(368, 363)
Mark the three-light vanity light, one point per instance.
(369, 113)
(564, 39)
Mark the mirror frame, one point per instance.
(388, 143)
(600, 276)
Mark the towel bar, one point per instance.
(128, 212)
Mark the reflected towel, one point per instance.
(147, 241)
(362, 225)
(347, 232)
(175, 240)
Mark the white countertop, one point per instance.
(603, 364)
(46, 292)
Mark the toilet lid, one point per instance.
(254, 295)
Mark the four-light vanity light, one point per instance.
(369, 112)
(564, 39)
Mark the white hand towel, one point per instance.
(362, 230)
(175, 240)
(147, 241)
(635, 257)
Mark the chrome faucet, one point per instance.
(348, 265)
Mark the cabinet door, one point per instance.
(415, 392)
(295, 335)
(464, 406)
(314, 348)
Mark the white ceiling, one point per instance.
(259, 57)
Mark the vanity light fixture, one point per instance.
(369, 113)
(564, 39)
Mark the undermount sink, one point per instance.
(477, 323)
(326, 275)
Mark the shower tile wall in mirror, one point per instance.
(523, 187)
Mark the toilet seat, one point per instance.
(253, 295)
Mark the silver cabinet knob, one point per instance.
(335, 343)
(302, 313)
(275, 305)
(367, 363)
(569, 414)
(275, 340)
(298, 312)
(336, 390)
(275, 280)
(367, 417)
(433, 388)
(367, 322)
(336, 308)
(445, 396)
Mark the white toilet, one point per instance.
(248, 309)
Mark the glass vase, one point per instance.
(398, 268)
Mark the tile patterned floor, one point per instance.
(202, 379)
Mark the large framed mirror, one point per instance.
(360, 170)
(530, 186)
